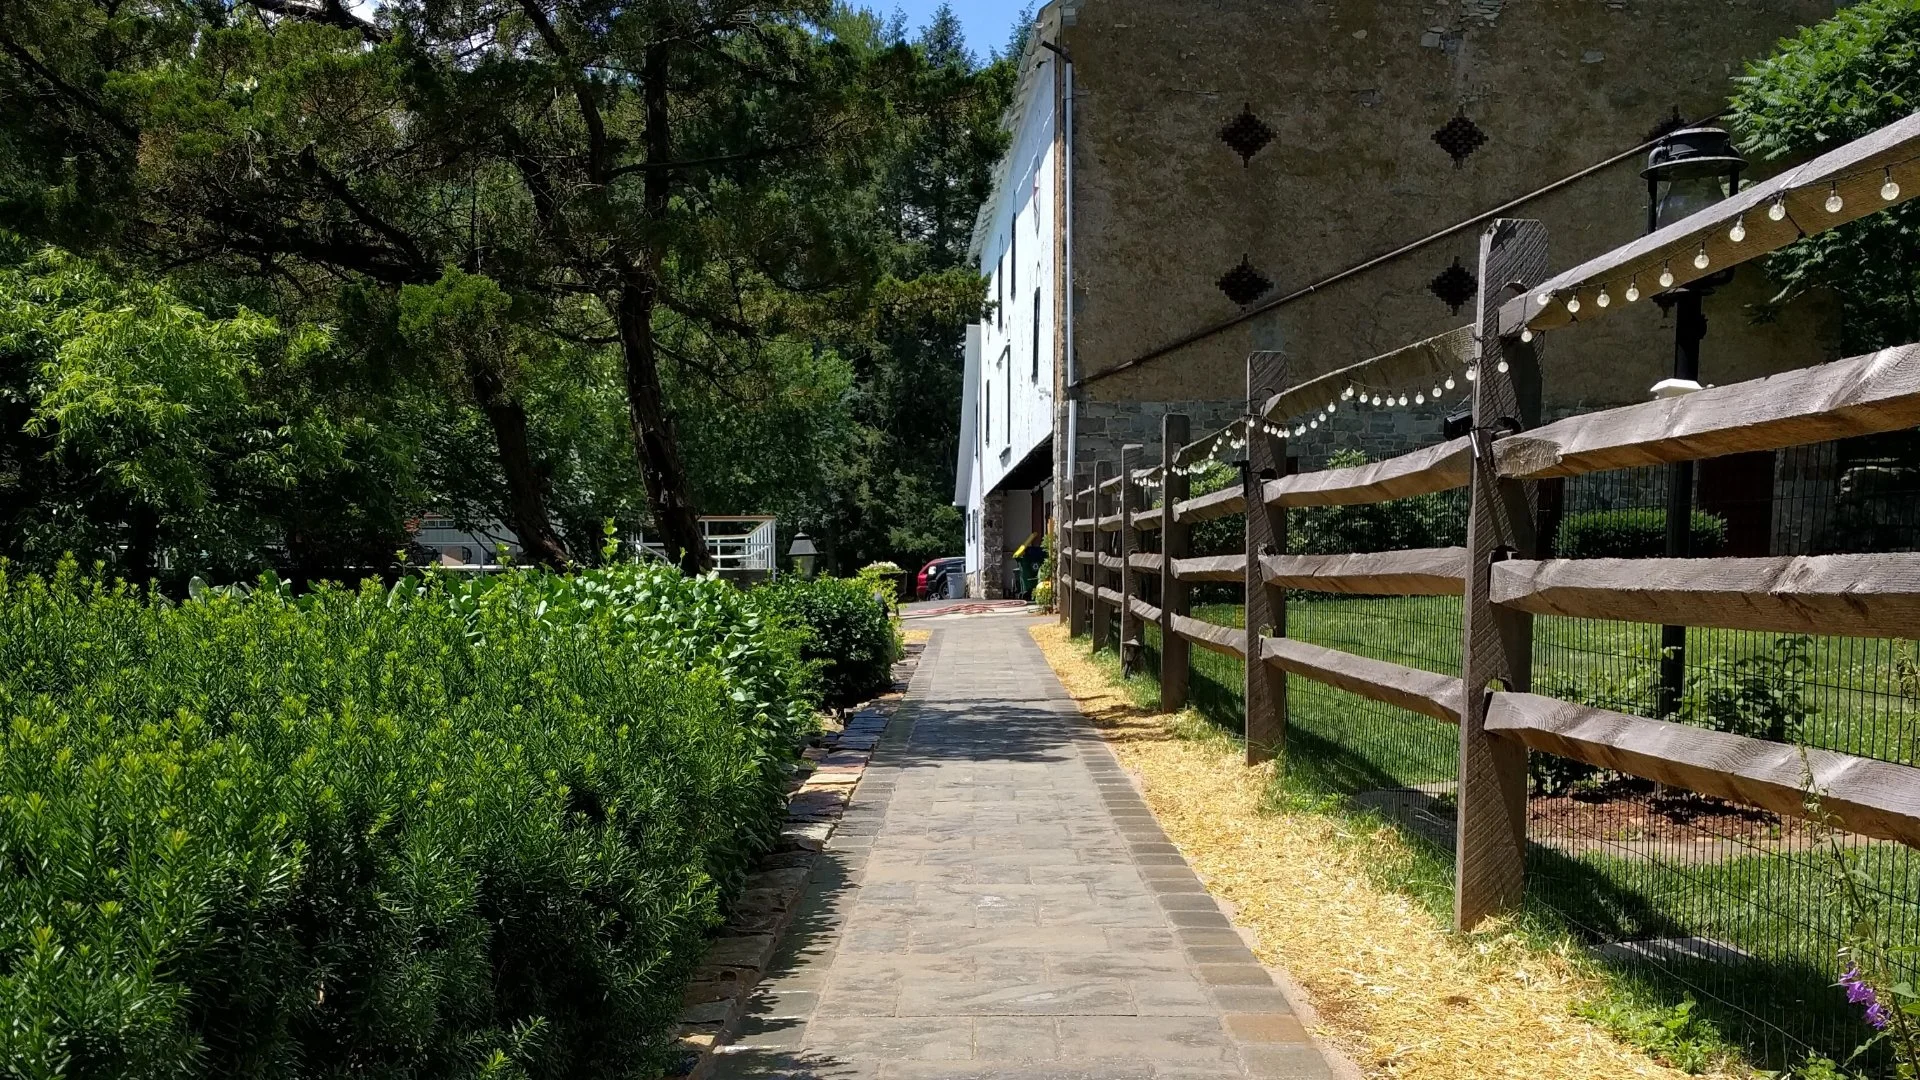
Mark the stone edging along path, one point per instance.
(829, 773)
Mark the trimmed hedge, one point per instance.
(1636, 533)
(849, 633)
(451, 828)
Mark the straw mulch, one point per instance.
(1394, 990)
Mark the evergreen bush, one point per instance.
(850, 635)
(1636, 533)
(450, 828)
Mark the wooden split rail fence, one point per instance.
(1500, 574)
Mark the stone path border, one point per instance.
(829, 774)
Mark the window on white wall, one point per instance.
(1000, 295)
(1035, 373)
(1013, 256)
(986, 416)
(1006, 365)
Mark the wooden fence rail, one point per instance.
(1108, 568)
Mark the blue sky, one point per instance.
(987, 22)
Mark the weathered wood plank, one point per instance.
(1103, 598)
(1145, 561)
(1111, 597)
(1129, 543)
(1442, 467)
(1084, 588)
(1434, 358)
(1222, 503)
(1857, 396)
(1109, 523)
(1490, 837)
(1109, 562)
(1226, 640)
(1142, 610)
(1414, 572)
(1856, 167)
(1148, 518)
(1853, 595)
(1408, 688)
(1226, 568)
(1873, 798)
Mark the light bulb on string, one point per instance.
(1526, 333)
(1834, 201)
(1314, 423)
(1501, 367)
(1605, 298)
(1376, 400)
(1666, 275)
(1700, 260)
(1544, 298)
(1778, 211)
(1403, 399)
(1473, 372)
(1420, 399)
(1633, 289)
(1347, 393)
(1436, 391)
(1739, 230)
(1889, 190)
(1573, 304)
(1449, 383)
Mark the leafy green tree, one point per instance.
(1836, 81)
(137, 429)
(670, 178)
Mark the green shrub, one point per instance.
(450, 828)
(850, 635)
(1637, 533)
(1423, 521)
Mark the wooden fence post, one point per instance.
(1266, 531)
(1102, 610)
(1129, 543)
(1081, 621)
(1175, 595)
(1491, 827)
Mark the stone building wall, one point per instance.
(1353, 97)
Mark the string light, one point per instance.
(1889, 190)
(1573, 304)
(1473, 372)
(1314, 423)
(1834, 201)
(1544, 298)
(1449, 383)
(1376, 400)
(1778, 211)
(1739, 230)
(1633, 289)
(1403, 399)
(1526, 333)
(1666, 275)
(1419, 399)
(1501, 367)
(1700, 261)
(1436, 391)
(1603, 299)
(1347, 394)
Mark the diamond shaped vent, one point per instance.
(1454, 286)
(1246, 134)
(1459, 137)
(1243, 284)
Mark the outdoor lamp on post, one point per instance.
(1690, 170)
(804, 553)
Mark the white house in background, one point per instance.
(462, 549)
(1003, 481)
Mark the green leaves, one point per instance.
(452, 827)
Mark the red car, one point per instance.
(930, 575)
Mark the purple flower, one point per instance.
(1859, 993)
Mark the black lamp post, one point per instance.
(1690, 170)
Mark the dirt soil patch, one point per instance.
(1392, 987)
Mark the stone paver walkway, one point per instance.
(998, 903)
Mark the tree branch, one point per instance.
(326, 13)
(582, 91)
(68, 90)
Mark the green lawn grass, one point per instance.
(1777, 904)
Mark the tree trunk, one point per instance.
(653, 440)
(526, 493)
(659, 453)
